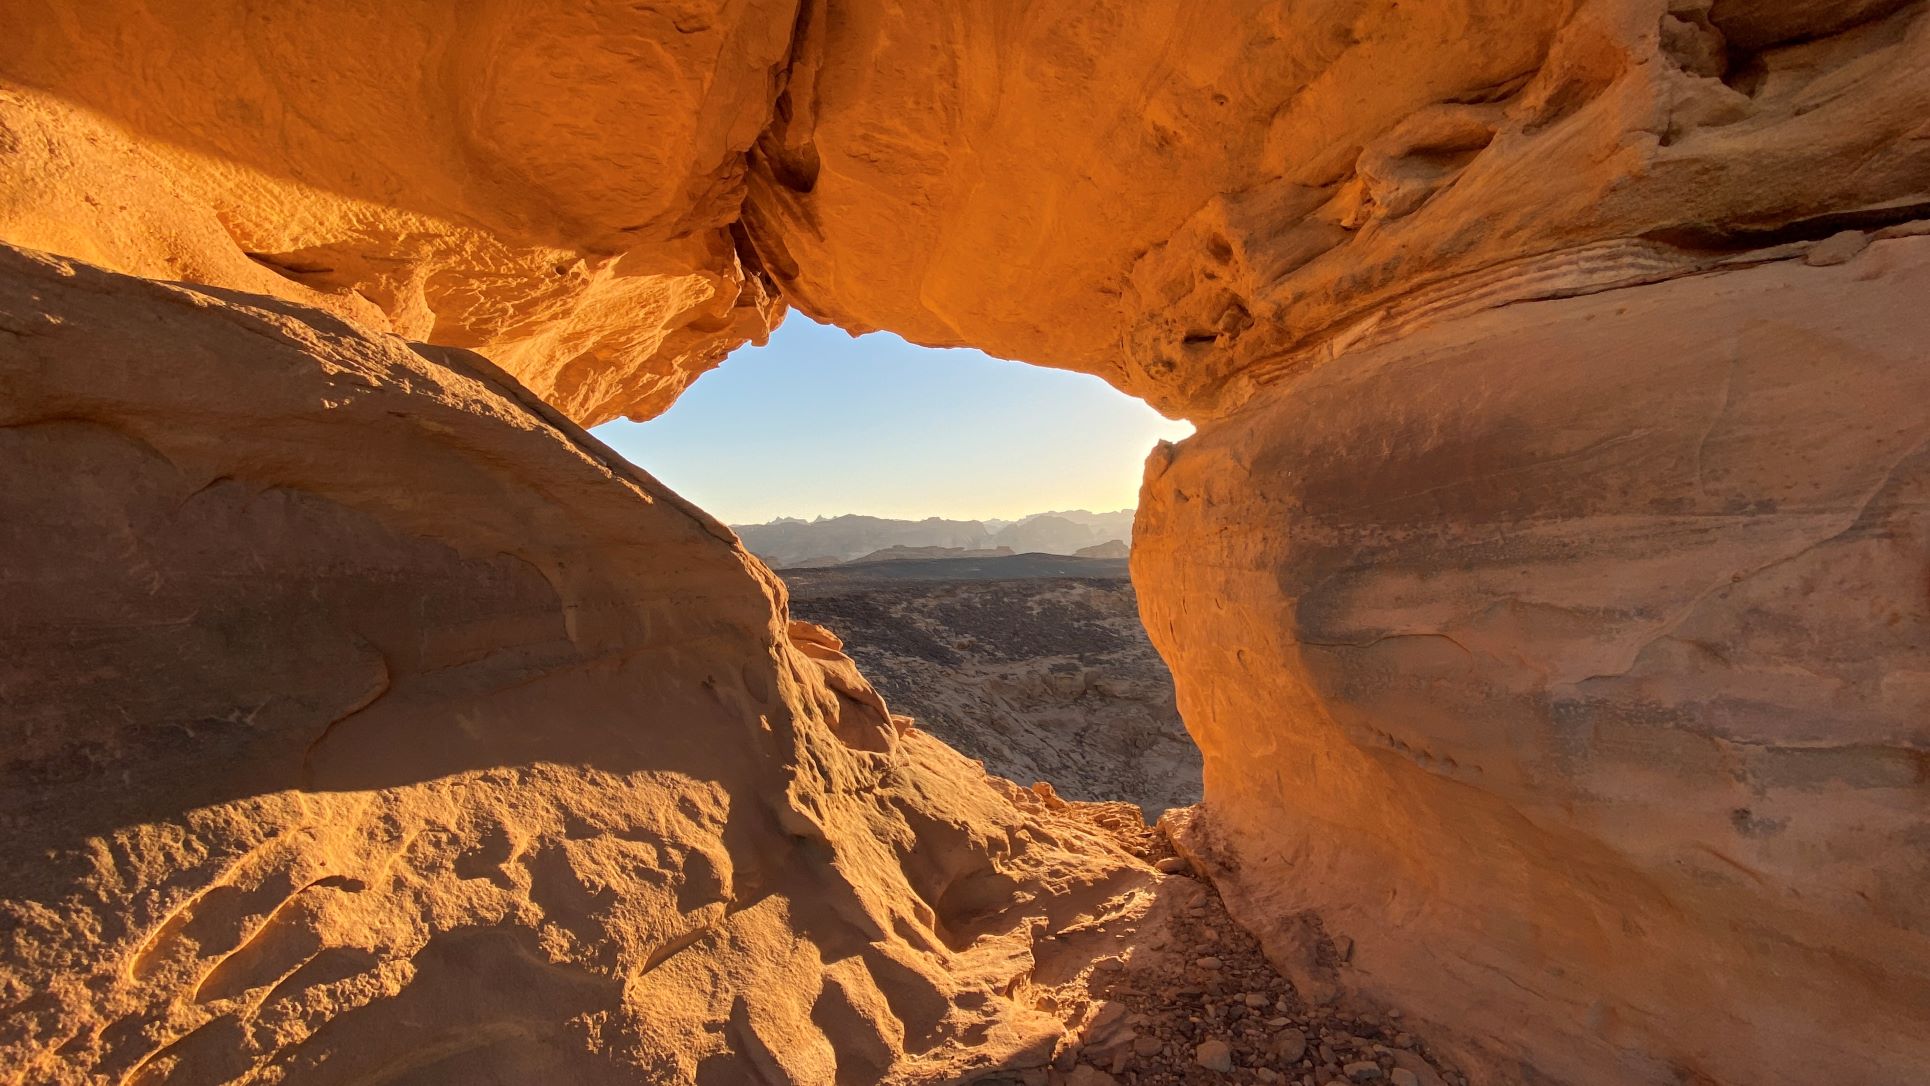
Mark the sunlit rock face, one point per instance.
(1582, 685)
(1545, 585)
(1188, 201)
(367, 721)
(550, 183)
(1191, 200)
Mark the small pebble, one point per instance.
(1838, 248)
(1217, 1055)
(1290, 1045)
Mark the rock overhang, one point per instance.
(607, 198)
(1217, 210)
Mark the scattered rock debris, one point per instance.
(1185, 996)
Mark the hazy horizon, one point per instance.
(818, 423)
(1002, 520)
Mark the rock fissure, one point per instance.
(384, 682)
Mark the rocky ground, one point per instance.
(1174, 992)
(1204, 1005)
(1050, 678)
(1040, 677)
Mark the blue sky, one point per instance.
(818, 423)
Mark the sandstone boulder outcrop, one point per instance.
(1192, 201)
(367, 721)
(553, 184)
(1545, 584)
(1596, 662)
(1188, 202)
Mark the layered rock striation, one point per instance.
(1597, 661)
(1544, 586)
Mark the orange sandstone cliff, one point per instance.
(1545, 585)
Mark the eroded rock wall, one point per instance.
(1544, 586)
(365, 721)
(1581, 686)
(552, 184)
(1188, 201)
(1192, 201)
(1466, 310)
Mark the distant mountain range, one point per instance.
(789, 542)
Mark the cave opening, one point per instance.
(963, 524)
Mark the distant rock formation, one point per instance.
(791, 542)
(1040, 677)
(1111, 548)
(908, 554)
(786, 542)
(1046, 533)
(1065, 531)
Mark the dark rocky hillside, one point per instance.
(1039, 674)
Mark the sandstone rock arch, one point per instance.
(1544, 586)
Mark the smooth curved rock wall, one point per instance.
(1581, 688)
